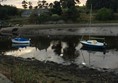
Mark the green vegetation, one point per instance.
(104, 14)
(63, 11)
(98, 4)
(55, 17)
(43, 18)
(6, 11)
(33, 18)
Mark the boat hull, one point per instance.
(93, 46)
(20, 41)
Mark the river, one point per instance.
(64, 50)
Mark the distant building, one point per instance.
(27, 13)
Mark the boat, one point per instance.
(93, 44)
(20, 40)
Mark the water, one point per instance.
(64, 50)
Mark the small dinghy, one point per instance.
(20, 40)
(93, 44)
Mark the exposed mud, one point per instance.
(63, 29)
(65, 74)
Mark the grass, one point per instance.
(24, 72)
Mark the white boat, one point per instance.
(20, 40)
(93, 44)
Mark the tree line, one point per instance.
(66, 10)
(98, 4)
(58, 10)
(6, 11)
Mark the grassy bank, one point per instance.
(20, 70)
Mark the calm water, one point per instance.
(64, 50)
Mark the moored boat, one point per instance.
(93, 44)
(20, 40)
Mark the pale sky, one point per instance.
(18, 3)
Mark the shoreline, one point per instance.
(50, 70)
(64, 29)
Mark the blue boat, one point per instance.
(94, 44)
(20, 40)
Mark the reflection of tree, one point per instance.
(41, 43)
(5, 46)
(70, 53)
(57, 47)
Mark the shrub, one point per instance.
(104, 14)
(43, 18)
(55, 17)
(33, 18)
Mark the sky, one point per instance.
(18, 3)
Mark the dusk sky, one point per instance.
(18, 4)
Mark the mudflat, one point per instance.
(108, 29)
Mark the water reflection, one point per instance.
(20, 45)
(32, 52)
(57, 46)
(40, 42)
(66, 50)
(70, 52)
(98, 59)
(103, 50)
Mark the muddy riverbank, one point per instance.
(63, 29)
(20, 70)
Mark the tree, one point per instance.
(70, 14)
(39, 4)
(98, 4)
(36, 7)
(69, 3)
(43, 18)
(104, 14)
(24, 4)
(30, 5)
(55, 17)
(7, 11)
(114, 5)
(70, 11)
(33, 18)
(51, 5)
(57, 8)
(42, 4)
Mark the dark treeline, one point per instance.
(6, 11)
(98, 4)
(63, 10)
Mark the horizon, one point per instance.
(18, 3)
